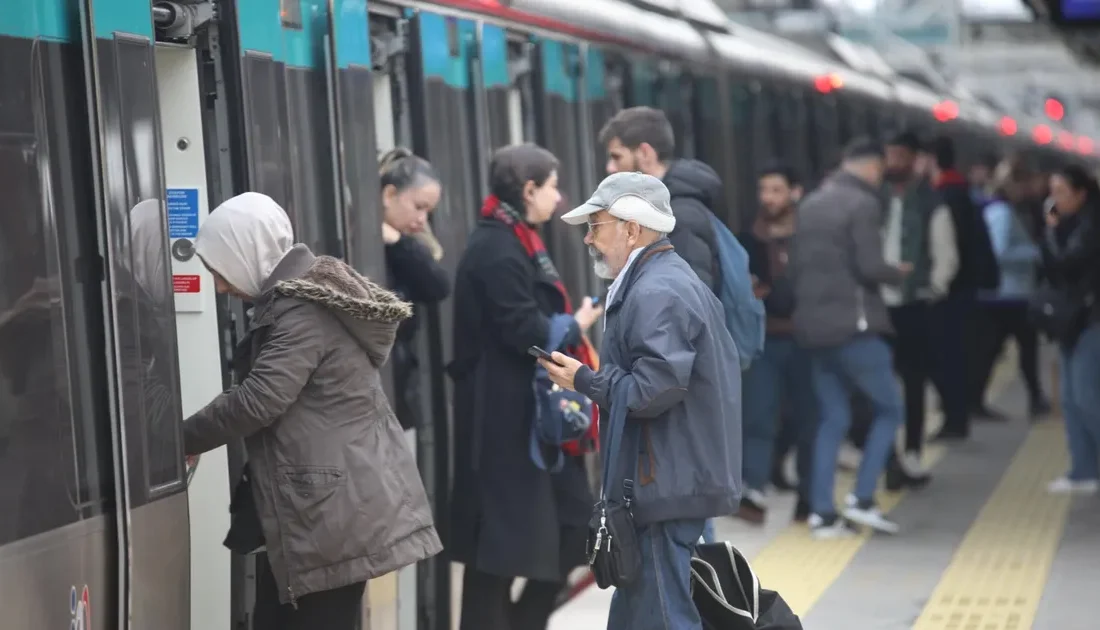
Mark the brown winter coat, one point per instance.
(336, 487)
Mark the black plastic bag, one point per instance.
(728, 596)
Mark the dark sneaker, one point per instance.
(801, 511)
(865, 513)
(986, 414)
(752, 507)
(830, 527)
(1039, 408)
(906, 472)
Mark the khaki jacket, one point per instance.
(336, 486)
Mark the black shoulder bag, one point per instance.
(613, 552)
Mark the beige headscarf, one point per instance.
(244, 239)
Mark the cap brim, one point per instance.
(579, 215)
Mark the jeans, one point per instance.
(1081, 404)
(661, 597)
(782, 373)
(708, 531)
(864, 364)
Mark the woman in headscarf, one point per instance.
(510, 516)
(410, 192)
(335, 487)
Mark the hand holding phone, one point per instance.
(539, 353)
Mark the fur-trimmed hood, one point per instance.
(369, 312)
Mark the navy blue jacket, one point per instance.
(666, 334)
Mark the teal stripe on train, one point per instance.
(352, 33)
(122, 16)
(556, 78)
(261, 30)
(494, 56)
(435, 48)
(36, 18)
(594, 75)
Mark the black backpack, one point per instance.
(727, 593)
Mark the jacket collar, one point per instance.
(635, 269)
(845, 178)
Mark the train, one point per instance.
(124, 122)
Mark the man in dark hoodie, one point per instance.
(641, 139)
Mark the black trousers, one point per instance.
(337, 609)
(1003, 320)
(487, 603)
(912, 360)
(950, 320)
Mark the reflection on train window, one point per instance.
(290, 14)
(144, 303)
(36, 432)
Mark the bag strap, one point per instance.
(616, 428)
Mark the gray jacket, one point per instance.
(666, 334)
(337, 490)
(836, 264)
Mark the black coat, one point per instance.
(508, 517)
(416, 277)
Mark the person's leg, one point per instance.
(867, 364)
(760, 396)
(948, 343)
(661, 597)
(1027, 341)
(804, 421)
(535, 605)
(486, 601)
(1081, 405)
(834, 408)
(990, 335)
(335, 609)
(267, 612)
(709, 535)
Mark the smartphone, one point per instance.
(595, 300)
(539, 353)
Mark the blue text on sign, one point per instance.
(183, 212)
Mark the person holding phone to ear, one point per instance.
(510, 518)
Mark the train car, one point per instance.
(123, 122)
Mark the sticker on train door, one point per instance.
(81, 610)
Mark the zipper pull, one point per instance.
(293, 599)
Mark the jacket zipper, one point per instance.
(290, 591)
(861, 322)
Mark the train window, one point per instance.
(36, 436)
(290, 13)
(144, 303)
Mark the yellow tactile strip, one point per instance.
(997, 576)
(802, 568)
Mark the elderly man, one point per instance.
(666, 341)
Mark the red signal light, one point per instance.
(1042, 134)
(1065, 140)
(828, 82)
(1054, 109)
(945, 111)
(1084, 145)
(1007, 126)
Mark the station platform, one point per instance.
(982, 547)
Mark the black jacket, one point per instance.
(416, 277)
(696, 193)
(978, 267)
(1071, 257)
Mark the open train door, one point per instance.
(153, 544)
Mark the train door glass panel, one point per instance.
(715, 141)
(823, 110)
(560, 129)
(602, 93)
(642, 84)
(521, 116)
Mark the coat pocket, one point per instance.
(312, 516)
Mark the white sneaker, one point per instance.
(831, 528)
(912, 465)
(1065, 485)
(868, 515)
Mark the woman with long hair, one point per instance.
(512, 517)
(1071, 257)
(331, 492)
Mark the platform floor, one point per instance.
(983, 547)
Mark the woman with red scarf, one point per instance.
(510, 518)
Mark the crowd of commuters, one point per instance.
(895, 273)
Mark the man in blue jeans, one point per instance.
(665, 341)
(837, 268)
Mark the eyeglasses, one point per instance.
(592, 226)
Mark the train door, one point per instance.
(151, 503)
(560, 129)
